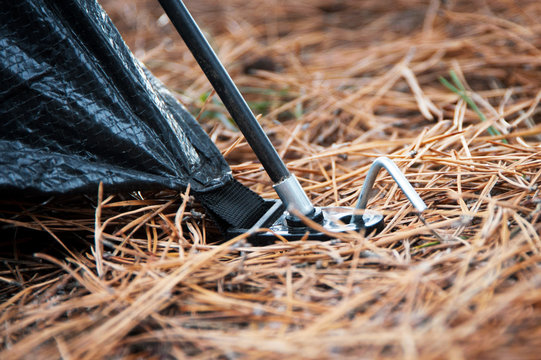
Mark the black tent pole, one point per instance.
(285, 184)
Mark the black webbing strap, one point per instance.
(234, 205)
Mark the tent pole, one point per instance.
(285, 184)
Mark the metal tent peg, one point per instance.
(287, 217)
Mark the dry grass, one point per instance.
(347, 81)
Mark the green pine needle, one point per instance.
(459, 89)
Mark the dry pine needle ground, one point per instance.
(337, 83)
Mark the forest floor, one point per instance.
(449, 90)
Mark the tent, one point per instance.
(78, 109)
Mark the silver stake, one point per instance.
(401, 181)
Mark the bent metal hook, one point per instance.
(399, 178)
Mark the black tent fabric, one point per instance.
(77, 108)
